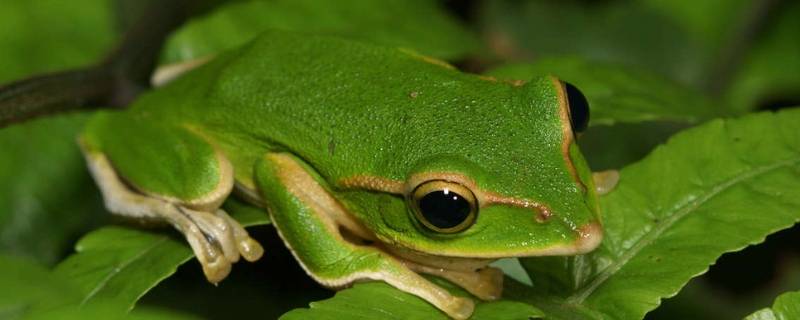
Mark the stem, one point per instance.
(113, 83)
(54, 93)
(755, 19)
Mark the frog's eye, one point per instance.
(444, 206)
(578, 108)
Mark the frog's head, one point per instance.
(496, 174)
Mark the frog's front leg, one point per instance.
(216, 239)
(309, 220)
(138, 179)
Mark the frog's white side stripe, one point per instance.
(216, 239)
(301, 185)
(168, 73)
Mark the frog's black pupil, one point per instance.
(578, 108)
(444, 209)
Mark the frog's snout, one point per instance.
(589, 237)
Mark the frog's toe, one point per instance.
(605, 181)
(248, 248)
(490, 285)
(215, 266)
(219, 232)
(459, 308)
(216, 270)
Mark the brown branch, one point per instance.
(54, 93)
(113, 83)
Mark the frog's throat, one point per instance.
(485, 198)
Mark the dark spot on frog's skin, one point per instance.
(331, 146)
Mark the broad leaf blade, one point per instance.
(712, 189)
(617, 93)
(416, 24)
(32, 292)
(678, 39)
(122, 264)
(106, 310)
(786, 307)
(46, 194)
(50, 35)
(378, 300)
(767, 76)
(27, 286)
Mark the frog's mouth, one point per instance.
(590, 236)
(582, 238)
(587, 238)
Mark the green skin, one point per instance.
(348, 113)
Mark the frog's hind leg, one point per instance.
(309, 221)
(485, 283)
(151, 190)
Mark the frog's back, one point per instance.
(335, 102)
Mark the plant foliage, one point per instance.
(727, 178)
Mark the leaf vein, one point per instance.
(672, 217)
(119, 269)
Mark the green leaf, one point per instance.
(513, 269)
(712, 189)
(506, 309)
(46, 194)
(710, 23)
(106, 310)
(416, 24)
(32, 292)
(640, 138)
(372, 300)
(246, 214)
(679, 39)
(617, 93)
(378, 300)
(28, 286)
(49, 35)
(768, 74)
(122, 264)
(786, 307)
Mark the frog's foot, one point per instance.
(216, 239)
(605, 181)
(248, 248)
(485, 283)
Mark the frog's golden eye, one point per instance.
(578, 108)
(444, 206)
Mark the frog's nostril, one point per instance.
(543, 214)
